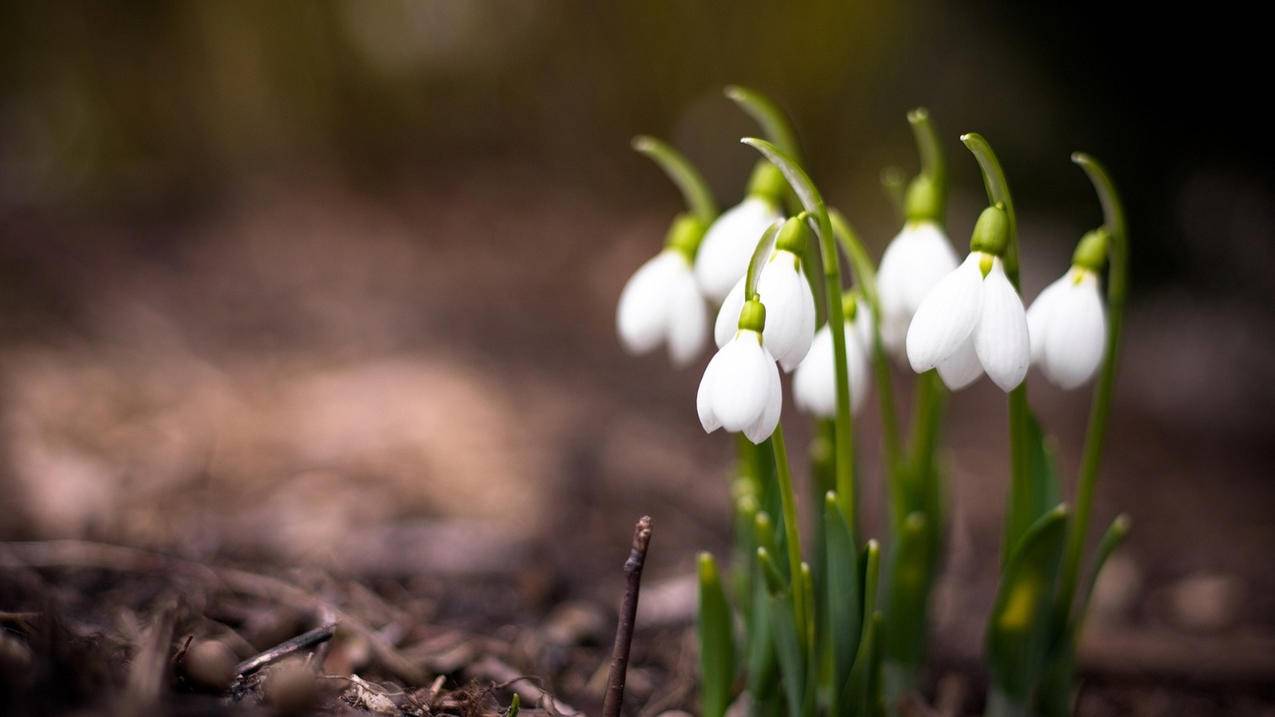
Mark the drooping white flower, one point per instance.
(790, 309)
(661, 303)
(972, 321)
(740, 390)
(913, 263)
(729, 243)
(1068, 327)
(814, 385)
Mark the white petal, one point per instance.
(728, 316)
(790, 309)
(728, 245)
(687, 318)
(1001, 337)
(741, 387)
(857, 353)
(704, 397)
(863, 326)
(946, 317)
(892, 275)
(642, 315)
(814, 383)
(961, 368)
(765, 424)
(932, 258)
(1039, 314)
(1076, 335)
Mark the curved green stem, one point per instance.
(1095, 434)
(699, 198)
(933, 164)
(791, 533)
(818, 211)
(774, 123)
(760, 253)
(998, 193)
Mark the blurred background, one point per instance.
(333, 284)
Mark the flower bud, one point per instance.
(923, 201)
(1091, 252)
(753, 316)
(767, 183)
(685, 235)
(794, 236)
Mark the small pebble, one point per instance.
(210, 664)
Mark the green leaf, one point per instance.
(788, 640)
(1042, 487)
(514, 705)
(774, 123)
(859, 687)
(907, 595)
(695, 191)
(844, 594)
(1018, 630)
(716, 641)
(1112, 539)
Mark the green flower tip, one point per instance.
(768, 183)
(753, 316)
(774, 581)
(644, 143)
(1091, 252)
(849, 305)
(685, 235)
(991, 231)
(918, 115)
(794, 236)
(923, 201)
(1122, 525)
(707, 568)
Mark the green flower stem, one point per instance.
(791, 533)
(1100, 409)
(865, 277)
(818, 211)
(699, 198)
(895, 183)
(760, 253)
(998, 193)
(774, 123)
(933, 165)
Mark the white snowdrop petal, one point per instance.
(728, 245)
(1040, 312)
(892, 274)
(728, 315)
(687, 318)
(641, 317)
(862, 326)
(704, 397)
(814, 382)
(740, 388)
(765, 424)
(1001, 339)
(946, 317)
(932, 258)
(790, 309)
(961, 368)
(857, 368)
(1076, 335)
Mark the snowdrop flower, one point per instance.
(740, 390)
(973, 320)
(814, 386)
(729, 243)
(1068, 323)
(785, 291)
(916, 259)
(661, 302)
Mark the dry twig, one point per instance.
(628, 614)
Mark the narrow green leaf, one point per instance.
(844, 593)
(514, 705)
(859, 685)
(796, 176)
(1112, 539)
(907, 599)
(1018, 630)
(695, 191)
(1041, 491)
(774, 123)
(760, 253)
(788, 641)
(716, 641)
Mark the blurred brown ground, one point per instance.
(346, 299)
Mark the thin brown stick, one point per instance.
(628, 616)
(285, 648)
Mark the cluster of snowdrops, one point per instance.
(841, 628)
